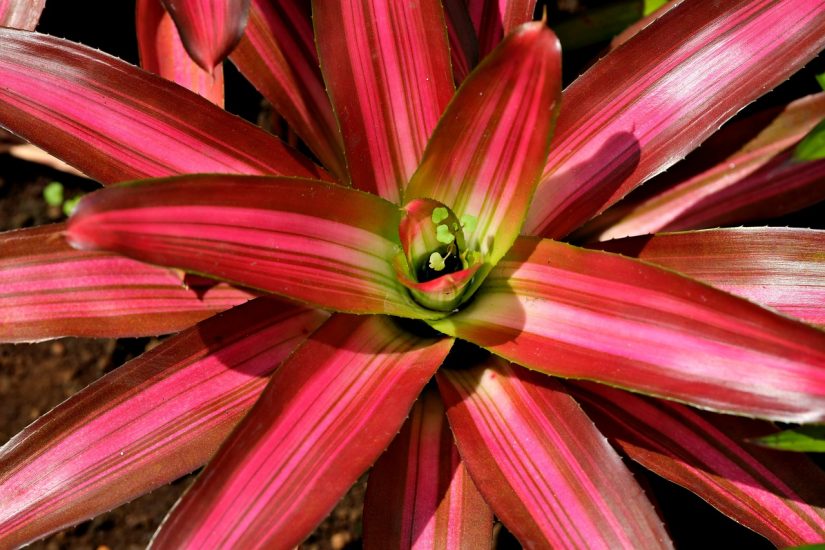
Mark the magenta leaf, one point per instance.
(277, 54)
(325, 417)
(210, 29)
(658, 96)
(387, 67)
(162, 52)
(115, 122)
(587, 314)
(49, 290)
(419, 494)
(21, 14)
(762, 179)
(540, 463)
(780, 496)
(146, 423)
(486, 155)
(462, 37)
(495, 19)
(315, 242)
(779, 267)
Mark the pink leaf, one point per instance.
(387, 66)
(777, 495)
(462, 37)
(587, 314)
(49, 290)
(316, 242)
(780, 267)
(210, 29)
(162, 52)
(277, 54)
(21, 14)
(659, 95)
(546, 471)
(760, 180)
(487, 153)
(115, 122)
(325, 417)
(419, 494)
(145, 423)
(493, 19)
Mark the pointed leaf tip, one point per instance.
(210, 29)
(487, 153)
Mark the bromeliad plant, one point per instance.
(429, 245)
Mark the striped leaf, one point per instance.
(49, 290)
(777, 495)
(162, 52)
(146, 423)
(210, 29)
(487, 153)
(587, 314)
(315, 242)
(115, 122)
(325, 417)
(419, 494)
(277, 55)
(387, 67)
(760, 180)
(654, 99)
(545, 470)
(21, 14)
(462, 37)
(779, 267)
(497, 18)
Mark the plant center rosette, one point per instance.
(437, 266)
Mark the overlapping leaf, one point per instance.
(325, 417)
(487, 152)
(210, 29)
(48, 290)
(146, 423)
(760, 180)
(778, 267)
(419, 493)
(587, 314)
(115, 122)
(162, 52)
(494, 20)
(655, 98)
(777, 495)
(387, 67)
(277, 55)
(320, 243)
(545, 470)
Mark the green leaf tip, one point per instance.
(804, 439)
(652, 5)
(821, 79)
(812, 147)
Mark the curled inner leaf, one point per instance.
(438, 267)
